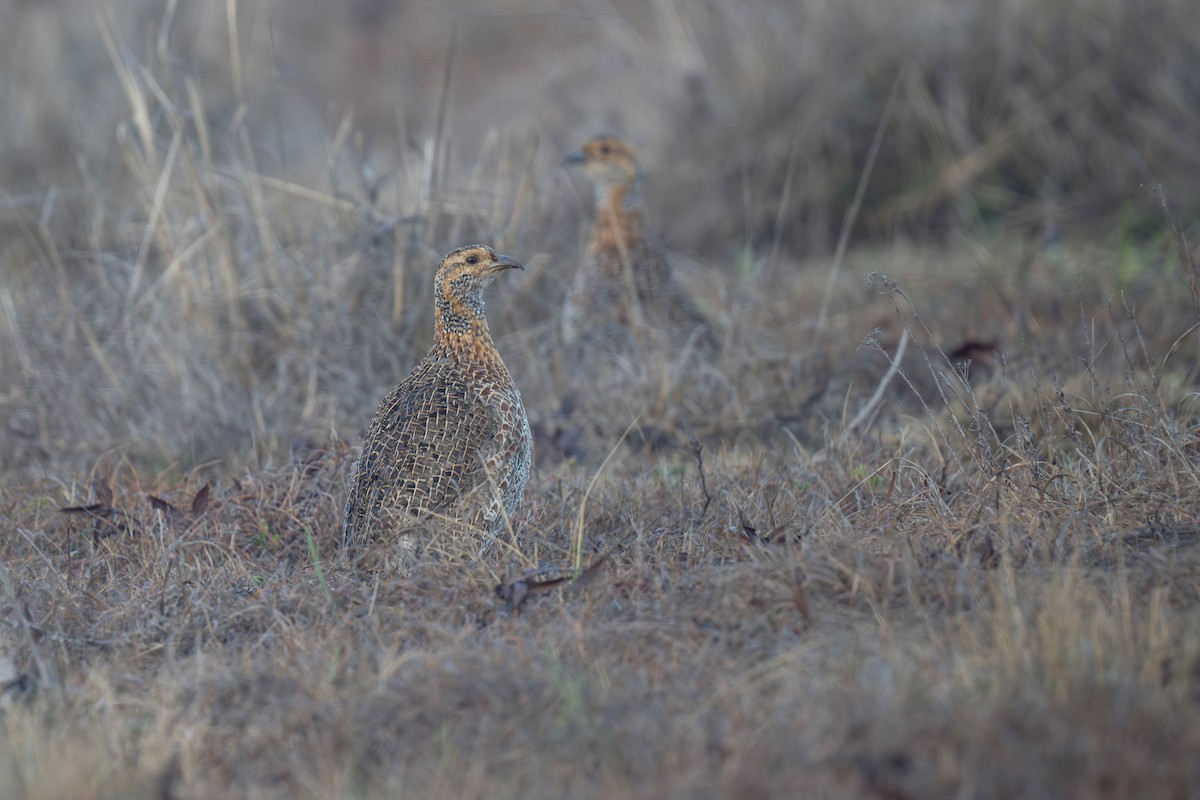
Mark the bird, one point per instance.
(623, 293)
(452, 440)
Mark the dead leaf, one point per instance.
(106, 521)
(542, 579)
(200, 501)
(158, 504)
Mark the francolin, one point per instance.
(623, 292)
(452, 440)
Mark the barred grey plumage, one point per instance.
(453, 438)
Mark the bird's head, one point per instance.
(610, 163)
(459, 283)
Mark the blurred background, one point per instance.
(218, 220)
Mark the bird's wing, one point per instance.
(422, 449)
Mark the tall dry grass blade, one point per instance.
(1188, 259)
(235, 50)
(953, 177)
(303, 192)
(437, 167)
(936, 131)
(851, 216)
(223, 267)
(872, 404)
(163, 42)
(170, 274)
(135, 97)
(268, 243)
(522, 206)
(785, 197)
(340, 137)
(156, 211)
(579, 535)
(399, 274)
(474, 184)
(42, 241)
(199, 119)
(15, 335)
(682, 43)
(1162, 369)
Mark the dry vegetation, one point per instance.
(214, 260)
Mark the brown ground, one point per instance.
(211, 269)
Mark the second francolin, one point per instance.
(624, 291)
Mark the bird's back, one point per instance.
(626, 294)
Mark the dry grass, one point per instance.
(212, 267)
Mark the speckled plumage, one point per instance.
(452, 440)
(624, 292)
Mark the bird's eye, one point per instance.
(605, 149)
(472, 259)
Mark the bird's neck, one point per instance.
(459, 329)
(619, 218)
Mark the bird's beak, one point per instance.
(573, 159)
(506, 262)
